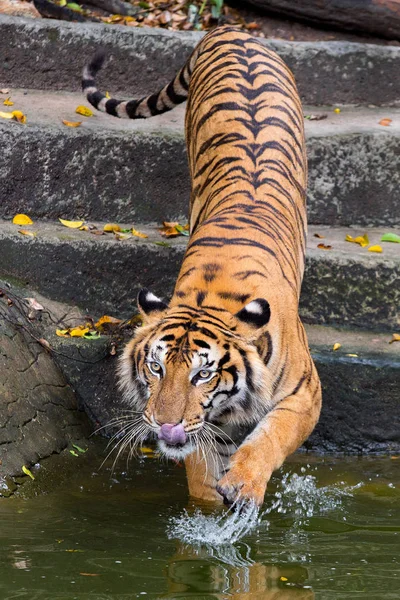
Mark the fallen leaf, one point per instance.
(44, 343)
(84, 111)
(165, 244)
(4, 91)
(97, 232)
(362, 240)
(84, 228)
(62, 332)
(336, 346)
(319, 236)
(139, 234)
(146, 450)
(8, 102)
(283, 578)
(72, 123)
(92, 335)
(21, 219)
(90, 574)
(27, 472)
(111, 227)
(79, 331)
(375, 248)
(391, 237)
(107, 320)
(73, 454)
(33, 303)
(107, 95)
(122, 236)
(352, 355)
(81, 450)
(385, 122)
(395, 338)
(182, 230)
(75, 7)
(6, 115)
(316, 117)
(336, 110)
(19, 116)
(71, 224)
(324, 247)
(26, 232)
(136, 321)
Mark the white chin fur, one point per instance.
(176, 452)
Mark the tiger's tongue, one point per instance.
(172, 434)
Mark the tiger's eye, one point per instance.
(155, 367)
(203, 374)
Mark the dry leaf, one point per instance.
(122, 236)
(21, 219)
(319, 236)
(8, 102)
(84, 111)
(324, 247)
(62, 332)
(111, 227)
(316, 117)
(336, 346)
(71, 224)
(4, 91)
(139, 234)
(375, 248)
(45, 344)
(362, 240)
(395, 338)
(90, 574)
(34, 304)
(385, 122)
(97, 232)
(84, 228)
(72, 123)
(26, 232)
(107, 321)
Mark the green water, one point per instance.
(331, 530)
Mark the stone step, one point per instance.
(48, 54)
(346, 285)
(112, 169)
(360, 387)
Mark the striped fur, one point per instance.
(234, 311)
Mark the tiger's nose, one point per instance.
(172, 434)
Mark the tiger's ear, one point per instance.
(254, 315)
(150, 306)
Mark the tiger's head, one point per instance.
(188, 367)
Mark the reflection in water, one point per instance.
(217, 572)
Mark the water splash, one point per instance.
(300, 496)
(216, 529)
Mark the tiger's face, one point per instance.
(187, 369)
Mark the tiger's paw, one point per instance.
(238, 490)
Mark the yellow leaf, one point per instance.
(8, 102)
(106, 319)
(21, 219)
(27, 472)
(72, 123)
(71, 224)
(375, 248)
(146, 450)
(122, 236)
(283, 578)
(139, 233)
(336, 346)
(111, 228)
(84, 111)
(385, 122)
(62, 332)
(78, 331)
(84, 228)
(352, 355)
(362, 240)
(26, 232)
(395, 338)
(19, 116)
(6, 115)
(107, 95)
(336, 110)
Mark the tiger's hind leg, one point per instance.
(279, 434)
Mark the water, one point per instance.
(329, 530)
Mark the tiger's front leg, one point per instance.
(279, 434)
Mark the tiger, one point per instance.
(222, 376)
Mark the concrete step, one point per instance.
(112, 169)
(49, 54)
(346, 285)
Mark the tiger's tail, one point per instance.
(167, 98)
